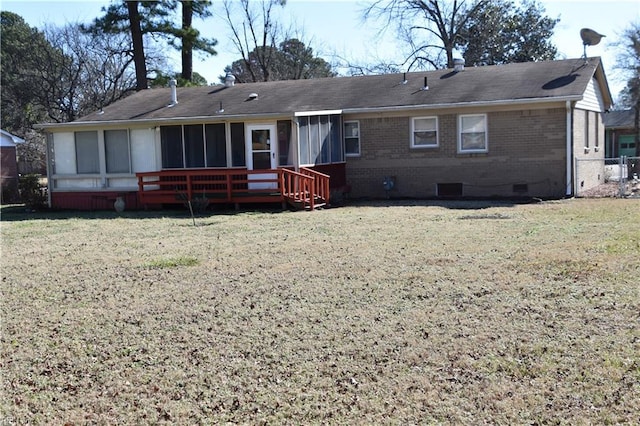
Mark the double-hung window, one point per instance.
(352, 138)
(472, 133)
(424, 132)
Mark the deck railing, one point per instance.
(320, 184)
(235, 186)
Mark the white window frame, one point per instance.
(344, 126)
(461, 132)
(414, 130)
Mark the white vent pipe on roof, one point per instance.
(458, 64)
(229, 80)
(174, 91)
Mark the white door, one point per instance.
(261, 144)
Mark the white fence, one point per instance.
(620, 177)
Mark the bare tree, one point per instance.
(431, 28)
(84, 72)
(256, 37)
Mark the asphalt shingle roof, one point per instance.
(619, 119)
(490, 84)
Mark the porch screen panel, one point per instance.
(304, 140)
(87, 152)
(143, 150)
(337, 150)
(238, 156)
(314, 140)
(325, 139)
(216, 145)
(116, 147)
(63, 153)
(194, 145)
(285, 147)
(171, 144)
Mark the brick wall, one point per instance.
(588, 149)
(525, 148)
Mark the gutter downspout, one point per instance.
(569, 188)
(48, 141)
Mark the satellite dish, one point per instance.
(589, 38)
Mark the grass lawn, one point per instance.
(379, 313)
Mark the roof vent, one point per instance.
(229, 80)
(174, 92)
(458, 64)
(426, 85)
(253, 96)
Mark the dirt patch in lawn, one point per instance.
(394, 313)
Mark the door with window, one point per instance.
(261, 144)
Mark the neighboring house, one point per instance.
(9, 165)
(620, 133)
(512, 130)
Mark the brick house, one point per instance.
(8, 166)
(496, 131)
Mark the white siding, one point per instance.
(64, 149)
(592, 100)
(78, 183)
(143, 150)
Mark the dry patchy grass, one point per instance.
(397, 313)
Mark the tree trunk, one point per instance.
(138, 46)
(187, 40)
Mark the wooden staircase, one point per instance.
(305, 189)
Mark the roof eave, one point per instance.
(601, 78)
(158, 121)
(464, 104)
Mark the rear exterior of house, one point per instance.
(522, 153)
(505, 131)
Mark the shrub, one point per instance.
(31, 192)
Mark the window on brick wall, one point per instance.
(472, 133)
(424, 132)
(352, 138)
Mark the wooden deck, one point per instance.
(304, 189)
